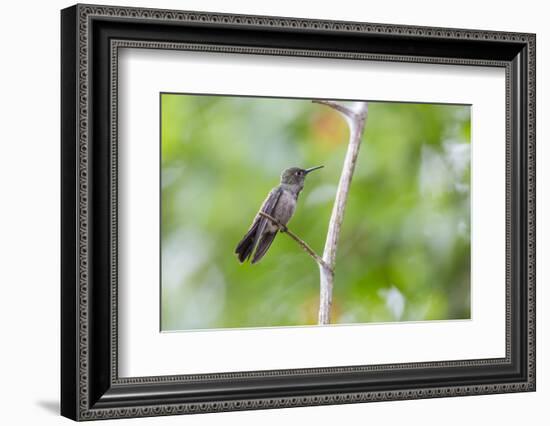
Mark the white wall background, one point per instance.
(29, 212)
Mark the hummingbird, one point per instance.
(280, 204)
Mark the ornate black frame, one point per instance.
(91, 37)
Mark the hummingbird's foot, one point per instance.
(283, 228)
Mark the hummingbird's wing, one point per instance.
(250, 240)
(263, 245)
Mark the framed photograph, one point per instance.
(263, 212)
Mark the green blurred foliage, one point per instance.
(404, 251)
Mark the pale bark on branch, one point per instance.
(355, 116)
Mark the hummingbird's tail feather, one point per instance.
(263, 246)
(246, 245)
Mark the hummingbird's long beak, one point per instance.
(306, 171)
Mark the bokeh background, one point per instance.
(404, 251)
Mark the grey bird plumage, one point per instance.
(280, 204)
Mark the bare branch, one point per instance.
(356, 117)
(348, 112)
(302, 243)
